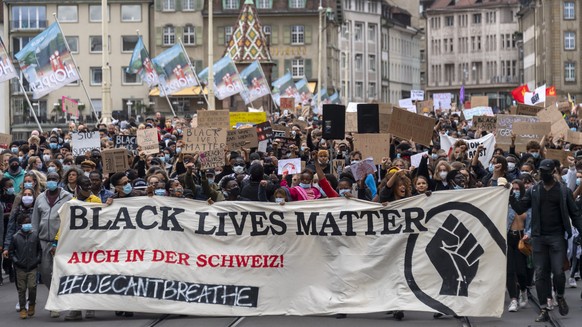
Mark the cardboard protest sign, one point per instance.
(408, 125)
(128, 142)
(114, 160)
(281, 131)
(214, 118)
(334, 120)
(337, 166)
(247, 117)
(147, 139)
(505, 128)
(424, 106)
(5, 140)
(289, 166)
(574, 137)
(479, 101)
(368, 118)
(531, 131)
(551, 100)
(488, 142)
(407, 104)
(477, 111)
(552, 115)
(376, 146)
(287, 103)
(384, 116)
(351, 122)
(417, 95)
(264, 131)
(84, 142)
(527, 110)
(564, 107)
(486, 123)
(243, 137)
(202, 139)
(211, 159)
(558, 154)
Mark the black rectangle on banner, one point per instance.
(368, 118)
(334, 122)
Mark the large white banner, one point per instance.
(485, 156)
(442, 253)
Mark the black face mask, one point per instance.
(14, 167)
(547, 177)
(234, 192)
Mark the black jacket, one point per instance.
(25, 250)
(532, 199)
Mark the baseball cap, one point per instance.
(547, 164)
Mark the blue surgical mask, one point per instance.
(51, 169)
(516, 194)
(167, 157)
(178, 150)
(343, 191)
(52, 185)
(573, 129)
(304, 185)
(564, 179)
(457, 187)
(434, 156)
(10, 191)
(127, 188)
(27, 185)
(491, 167)
(162, 159)
(578, 180)
(536, 155)
(279, 200)
(14, 150)
(26, 228)
(160, 192)
(398, 155)
(66, 167)
(211, 180)
(53, 146)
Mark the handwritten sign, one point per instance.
(214, 118)
(505, 127)
(147, 139)
(409, 125)
(114, 160)
(442, 101)
(424, 106)
(376, 146)
(289, 166)
(487, 123)
(5, 140)
(128, 142)
(85, 142)
(384, 116)
(477, 111)
(246, 137)
(287, 103)
(574, 137)
(264, 131)
(202, 139)
(247, 117)
(564, 107)
(479, 101)
(407, 104)
(558, 154)
(361, 169)
(530, 130)
(351, 122)
(527, 110)
(417, 95)
(552, 115)
(211, 159)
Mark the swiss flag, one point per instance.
(519, 93)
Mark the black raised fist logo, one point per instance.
(535, 98)
(455, 254)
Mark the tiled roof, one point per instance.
(248, 42)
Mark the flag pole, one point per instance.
(29, 104)
(77, 68)
(193, 71)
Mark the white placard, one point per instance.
(417, 95)
(407, 103)
(289, 166)
(442, 100)
(83, 142)
(416, 158)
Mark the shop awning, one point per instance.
(190, 91)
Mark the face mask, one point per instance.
(26, 228)
(456, 121)
(10, 191)
(355, 162)
(39, 166)
(162, 159)
(279, 200)
(510, 166)
(53, 145)
(536, 155)
(127, 188)
(211, 180)
(457, 187)
(66, 167)
(342, 192)
(46, 157)
(14, 167)
(52, 185)
(14, 150)
(525, 172)
(573, 129)
(178, 150)
(52, 169)
(167, 157)
(434, 156)
(516, 194)
(160, 192)
(578, 180)
(20, 159)
(86, 173)
(564, 178)
(178, 190)
(303, 148)
(179, 131)
(398, 155)
(547, 177)
(234, 192)
(304, 185)
(28, 185)
(27, 200)
(238, 169)
(491, 168)
(443, 175)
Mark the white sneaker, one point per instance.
(523, 299)
(572, 282)
(513, 306)
(577, 275)
(550, 304)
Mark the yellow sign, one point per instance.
(247, 117)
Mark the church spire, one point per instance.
(248, 42)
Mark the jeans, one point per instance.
(26, 280)
(549, 252)
(516, 265)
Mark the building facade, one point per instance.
(551, 33)
(473, 44)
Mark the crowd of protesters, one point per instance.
(40, 174)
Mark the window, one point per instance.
(97, 104)
(372, 63)
(264, 4)
(450, 21)
(297, 34)
(298, 68)
(128, 78)
(128, 43)
(569, 41)
(96, 75)
(20, 42)
(73, 42)
(371, 33)
(230, 4)
(360, 5)
(187, 5)
(358, 32)
(267, 30)
(227, 34)
(95, 44)
(371, 90)
(131, 13)
(28, 17)
(358, 62)
(169, 35)
(189, 36)
(168, 5)
(95, 13)
(570, 72)
(296, 4)
(476, 19)
(372, 7)
(359, 92)
(67, 14)
(569, 10)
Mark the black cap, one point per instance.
(547, 164)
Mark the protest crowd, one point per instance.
(41, 173)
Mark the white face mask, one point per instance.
(279, 200)
(443, 175)
(510, 166)
(238, 169)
